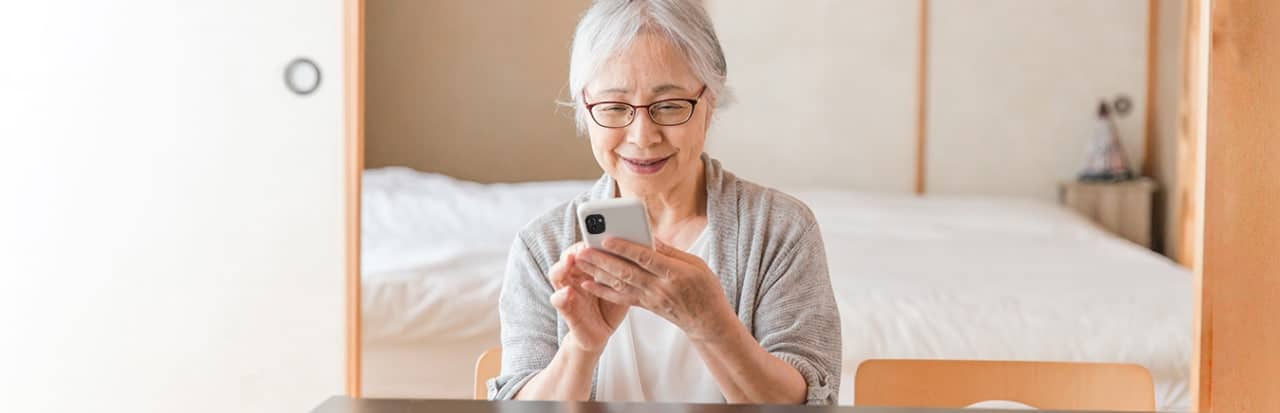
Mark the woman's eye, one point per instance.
(613, 108)
(668, 107)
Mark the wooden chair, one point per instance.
(488, 366)
(1043, 385)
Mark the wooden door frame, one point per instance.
(353, 124)
(1238, 270)
(1207, 281)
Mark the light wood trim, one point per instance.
(1043, 385)
(353, 103)
(1150, 144)
(1191, 121)
(922, 94)
(1240, 263)
(488, 366)
(1191, 148)
(1189, 226)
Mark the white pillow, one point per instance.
(410, 219)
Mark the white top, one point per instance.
(650, 359)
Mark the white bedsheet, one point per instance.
(934, 277)
(984, 278)
(432, 257)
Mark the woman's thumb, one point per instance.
(560, 298)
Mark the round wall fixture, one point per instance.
(302, 76)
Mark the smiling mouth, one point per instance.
(644, 162)
(646, 166)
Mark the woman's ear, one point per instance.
(711, 108)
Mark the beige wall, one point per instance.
(826, 92)
(1015, 85)
(469, 88)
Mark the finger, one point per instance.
(614, 266)
(607, 294)
(560, 272)
(664, 249)
(600, 276)
(557, 275)
(577, 276)
(644, 257)
(572, 249)
(560, 300)
(565, 300)
(575, 281)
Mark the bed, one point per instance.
(915, 277)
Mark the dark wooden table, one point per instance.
(343, 404)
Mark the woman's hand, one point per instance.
(681, 288)
(671, 283)
(591, 320)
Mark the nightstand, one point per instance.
(1124, 208)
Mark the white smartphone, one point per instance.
(617, 217)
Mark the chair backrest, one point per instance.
(1043, 385)
(488, 366)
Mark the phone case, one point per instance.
(622, 217)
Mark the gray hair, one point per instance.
(609, 26)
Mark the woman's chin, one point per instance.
(639, 185)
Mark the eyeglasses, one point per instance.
(666, 112)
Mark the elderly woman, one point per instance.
(733, 303)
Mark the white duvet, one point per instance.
(932, 277)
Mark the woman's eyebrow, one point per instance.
(614, 90)
(665, 87)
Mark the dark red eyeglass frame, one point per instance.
(693, 105)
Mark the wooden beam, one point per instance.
(1150, 144)
(1190, 129)
(922, 94)
(353, 104)
(1190, 225)
(1240, 266)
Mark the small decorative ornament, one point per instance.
(1105, 160)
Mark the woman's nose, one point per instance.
(642, 131)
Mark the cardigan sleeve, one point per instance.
(797, 320)
(528, 322)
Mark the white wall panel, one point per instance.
(826, 92)
(1014, 86)
(172, 218)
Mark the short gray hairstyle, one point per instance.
(609, 26)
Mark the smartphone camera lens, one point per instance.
(595, 224)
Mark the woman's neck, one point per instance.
(671, 211)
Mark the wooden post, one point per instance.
(353, 101)
(1239, 346)
(1150, 144)
(922, 95)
